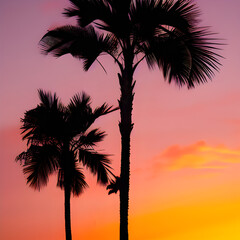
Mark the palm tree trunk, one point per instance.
(67, 213)
(125, 126)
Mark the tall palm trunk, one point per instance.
(67, 191)
(125, 126)
(67, 213)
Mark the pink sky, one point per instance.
(185, 161)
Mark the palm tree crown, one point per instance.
(165, 33)
(59, 141)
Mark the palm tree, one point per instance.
(165, 33)
(59, 141)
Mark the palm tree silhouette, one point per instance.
(59, 141)
(165, 33)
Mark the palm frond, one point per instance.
(121, 6)
(45, 122)
(48, 100)
(61, 177)
(97, 163)
(114, 185)
(80, 107)
(185, 58)
(180, 14)
(82, 43)
(88, 11)
(110, 16)
(38, 163)
(143, 19)
(76, 180)
(148, 17)
(80, 99)
(91, 139)
(80, 114)
(103, 110)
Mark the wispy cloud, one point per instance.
(199, 155)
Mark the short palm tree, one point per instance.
(165, 33)
(59, 141)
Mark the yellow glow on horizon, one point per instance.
(219, 221)
(200, 220)
(219, 232)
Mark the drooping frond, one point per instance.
(97, 163)
(114, 185)
(91, 139)
(38, 163)
(167, 33)
(76, 182)
(82, 43)
(205, 59)
(180, 14)
(185, 58)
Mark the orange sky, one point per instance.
(185, 161)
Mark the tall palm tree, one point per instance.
(59, 141)
(165, 33)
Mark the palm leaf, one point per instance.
(43, 123)
(187, 58)
(148, 17)
(38, 163)
(110, 16)
(89, 11)
(76, 182)
(48, 100)
(80, 114)
(81, 43)
(97, 163)
(114, 185)
(103, 110)
(91, 139)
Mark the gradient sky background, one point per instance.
(185, 164)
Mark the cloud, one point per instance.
(199, 155)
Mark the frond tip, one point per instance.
(114, 185)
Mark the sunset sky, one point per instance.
(185, 148)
